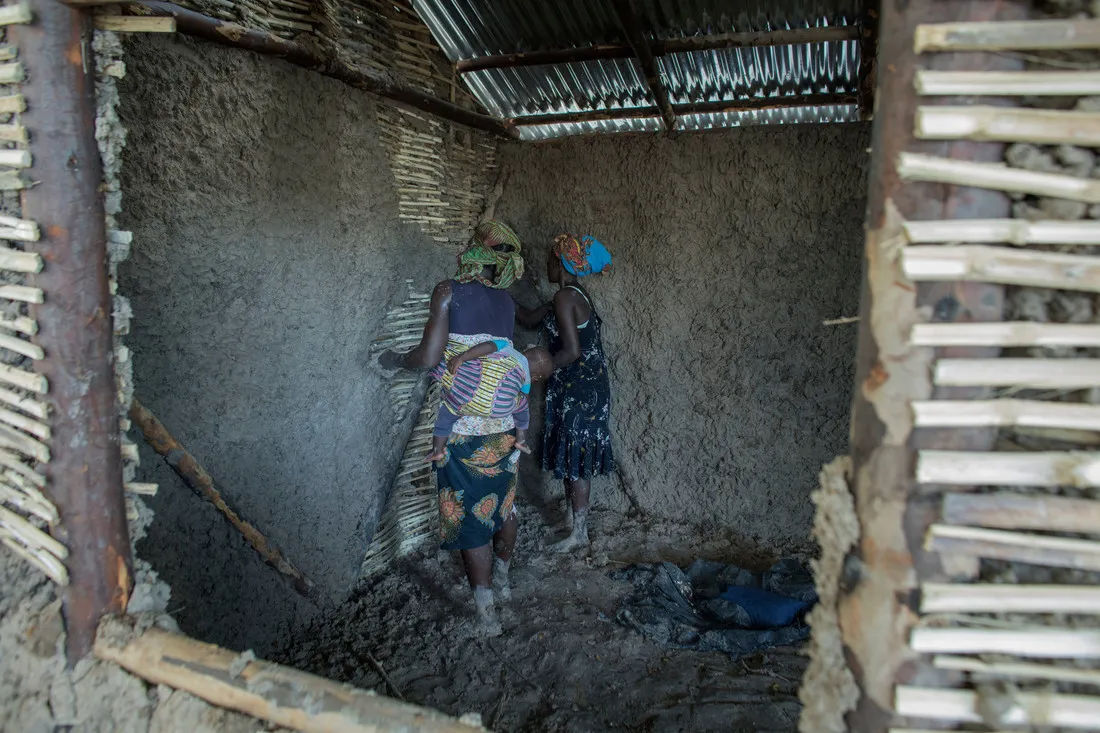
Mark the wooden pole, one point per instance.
(192, 472)
(868, 52)
(272, 692)
(85, 473)
(877, 607)
(230, 34)
(598, 52)
(636, 37)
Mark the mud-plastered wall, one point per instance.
(267, 249)
(730, 250)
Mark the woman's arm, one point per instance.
(429, 351)
(565, 311)
(531, 317)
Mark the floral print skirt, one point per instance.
(477, 481)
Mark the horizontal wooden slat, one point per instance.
(983, 468)
(997, 177)
(995, 544)
(136, 24)
(1027, 708)
(1007, 510)
(1025, 35)
(1033, 373)
(984, 263)
(1018, 670)
(1005, 413)
(1039, 641)
(1007, 83)
(1018, 333)
(1008, 124)
(1019, 232)
(1001, 598)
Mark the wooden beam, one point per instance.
(1007, 83)
(1007, 510)
(195, 476)
(868, 53)
(1006, 413)
(1024, 708)
(1040, 126)
(1032, 549)
(1028, 35)
(636, 37)
(225, 33)
(85, 473)
(134, 24)
(734, 105)
(602, 51)
(1000, 598)
(272, 692)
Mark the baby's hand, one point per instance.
(521, 445)
(454, 363)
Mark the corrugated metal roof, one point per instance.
(467, 29)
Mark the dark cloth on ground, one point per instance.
(717, 607)
(477, 488)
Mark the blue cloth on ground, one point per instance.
(718, 607)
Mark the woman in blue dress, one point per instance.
(576, 439)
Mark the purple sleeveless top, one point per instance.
(478, 309)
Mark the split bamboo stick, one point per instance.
(983, 263)
(21, 293)
(1019, 232)
(1031, 373)
(20, 346)
(996, 176)
(1006, 510)
(1039, 641)
(12, 103)
(27, 380)
(26, 404)
(995, 544)
(189, 469)
(27, 503)
(16, 464)
(15, 158)
(17, 480)
(1008, 124)
(998, 598)
(31, 535)
(53, 568)
(135, 24)
(18, 229)
(19, 12)
(16, 261)
(33, 427)
(11, 73)
(1007, 83)
(1026, 35)
(982, 468)
(1028, 708)
(11, 181)
(28, 446)
(142, 489)
(1027, 670)
(8, 53)
(281, 695)
(1019, 333)
(13, 133)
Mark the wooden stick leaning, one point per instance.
(996, 176)
(1028, 708)
(981, 468)
(268, 691)
(995, 544)
(199, 480)
(1028, 373)
(1028, 670)
(1007, 83)
(999, 598)
(1006, 510)
(1029, 35)
(983, 263)
(1008, 124)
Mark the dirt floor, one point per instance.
(562, 664)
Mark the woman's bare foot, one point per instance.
(578, 536)
(486, 621)
(501, 584)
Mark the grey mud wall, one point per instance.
(730, 249)
(267, 248)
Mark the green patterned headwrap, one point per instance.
(481, 254)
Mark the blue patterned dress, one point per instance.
(576, 439)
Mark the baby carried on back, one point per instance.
(491, 380)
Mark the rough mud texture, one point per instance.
(38, 694)
(267, 248)
(561, 664)
(730, 250)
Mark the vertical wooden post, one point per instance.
(85, 472)
(877, 607)
(868, 50)
(636, 37)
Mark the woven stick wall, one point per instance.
(1008, 632)
(410, 518)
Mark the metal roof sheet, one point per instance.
(468, 29)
